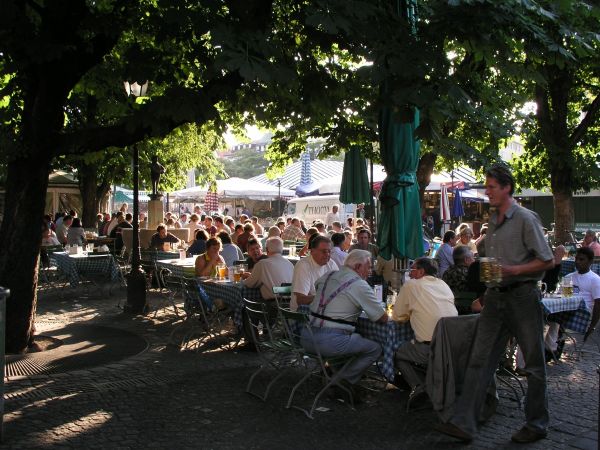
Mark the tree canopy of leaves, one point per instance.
(245, 163)
(306, 69)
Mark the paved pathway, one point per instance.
(163, 398)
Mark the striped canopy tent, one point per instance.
(291, 178)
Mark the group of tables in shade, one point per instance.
(570, 312)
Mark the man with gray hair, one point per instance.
(423, 300)
(341, 296)
(456, 275)
(271, 271)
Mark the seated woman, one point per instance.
(206, 263)
(466, 239)
(199, 244)
(230, 252)
(76, 233)
(48, 237)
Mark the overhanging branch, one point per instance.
(585, 123)
(157, 118)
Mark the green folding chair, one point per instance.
(327, 368)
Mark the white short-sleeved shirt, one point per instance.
(589, 286)
(269, 272)
(349, 303)
(306, 273)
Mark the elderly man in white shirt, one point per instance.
(340, 298)
(271, 271)
(308, 270)
(423, 300)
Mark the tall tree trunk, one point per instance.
(88, 182)
(564, 214)
(424, 172)
(552, 116)
(563, 217)
(26, 186)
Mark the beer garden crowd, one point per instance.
(338, 260)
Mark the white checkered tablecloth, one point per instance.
(390, 335)
(567, 266)
(231, 294)
(570, 312)
(75, 265)
(179, 267)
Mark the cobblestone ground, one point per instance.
(164, 398)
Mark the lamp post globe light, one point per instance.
(136, 281)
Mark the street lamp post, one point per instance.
(279, 199)
(136, 281)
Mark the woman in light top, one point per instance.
(194, 224)
(466, 239)
(76, 233)
(206, 263)
(48, 237)
(229, 252)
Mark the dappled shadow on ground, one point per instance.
(83, 345)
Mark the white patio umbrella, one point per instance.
(444, 208)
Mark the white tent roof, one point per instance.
(332, 185)
(235, 188)
(291, 178)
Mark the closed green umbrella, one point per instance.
(400, 232)
(355, 181)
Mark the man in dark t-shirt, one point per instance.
(255, 253)
(161, 237)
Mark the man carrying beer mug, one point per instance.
(512, 308)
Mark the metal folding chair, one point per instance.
(328, 369)
(273, 351)
(200, 321)
(171, 288)
(283, 296)
(148, 265)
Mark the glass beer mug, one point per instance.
(490, 270)
(567, 287)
